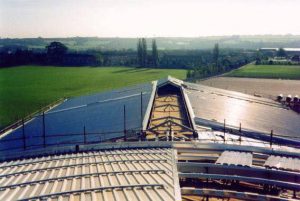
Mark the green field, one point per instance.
(25, 89)
(267, 71)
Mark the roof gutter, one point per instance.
(150, 104)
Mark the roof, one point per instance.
(84, 167)
(101, 115)
(136, 170)
(286, 49)
(138, 174)
(254, 113)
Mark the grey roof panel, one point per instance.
(253, 113)
(92, 98)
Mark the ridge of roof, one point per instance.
(169, 79)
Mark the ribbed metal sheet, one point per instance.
(235, 158)
(102, 115)
(285, 163)
(138, 174)
(253, 113)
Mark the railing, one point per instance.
(271, 137)
(42, 141)
(30, 116)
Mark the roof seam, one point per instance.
(83, 175)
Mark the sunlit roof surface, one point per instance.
(253, 113)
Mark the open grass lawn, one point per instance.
(267, 71)
(25, 89)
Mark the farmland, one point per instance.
(268, 88)
(262, 80)
(25, 89)
(267, 71)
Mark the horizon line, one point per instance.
(135, 37)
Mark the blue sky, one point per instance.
(147, 18)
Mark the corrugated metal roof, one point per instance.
(235, 158)
(137, 174)
(253, 113)
(285, 163)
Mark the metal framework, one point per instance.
(189, 194)
(169, 119)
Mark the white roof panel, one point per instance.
(285, 163)
(235, 158)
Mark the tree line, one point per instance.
(144, 60)
(200, 63)
(221, 62)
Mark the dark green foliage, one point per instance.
(281, 53)
(155, 54)
(142, 52)
(216, 55)
(55, 53)
(189, 74)
(56, 48)
(202, 62)
(227, 60)
(258, 58)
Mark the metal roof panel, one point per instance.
(253, 113)
(146, 174)
(235, 158)
(281, 162)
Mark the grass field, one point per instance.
(25, 89)
(267, 71)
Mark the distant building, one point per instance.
(295, 58)
(289, 51)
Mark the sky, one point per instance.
(147, 18)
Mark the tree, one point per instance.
(140, 53)
(189, 73)
(56, 48)
(281, 52)
(216, 55)
(144, 52)
(56, 52)
(258, 58)
(154, 53)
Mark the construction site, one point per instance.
(163, 140)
